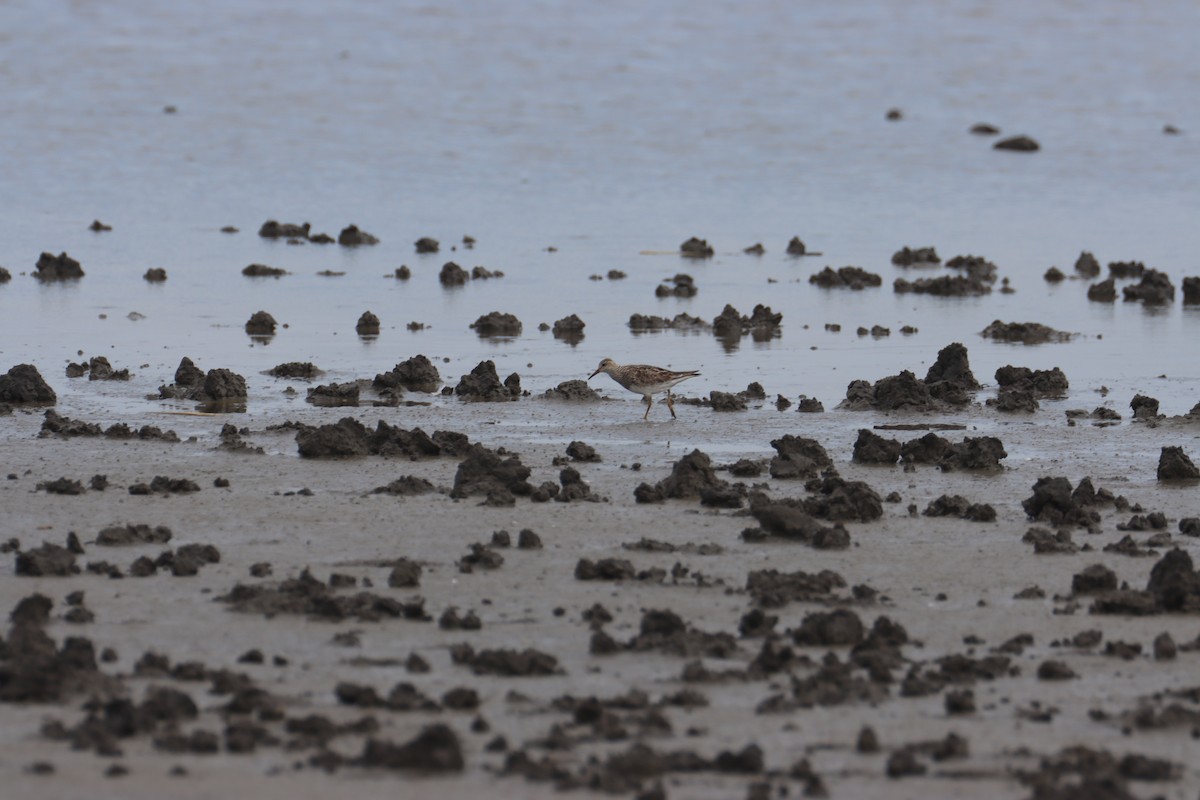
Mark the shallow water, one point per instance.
(611, 134)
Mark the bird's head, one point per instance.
(605, 365)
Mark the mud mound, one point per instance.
(973, 453)
(436, 749)
(263, 271)
(283, 230)
(1086, 265)
(261, 324)
(351, 236)
(1023, 332)
(692, 476)
(495, 474)
(57, 268)
(1103, 292)
(683, 321)
(569, 329)
(573, 390)
(682, 285)
(771, 588)
(482, 384)
(949, 381)
(871, 448)
(943, 286)
(1174, 464)
(125, 535)
(417, 374)
(1055, 501)
(497, 323)
(24, 385)
(302, 370)
(855, 278)
(761, 325)
(426, 244)
(696, 248)
(367, 325)
(504, 662)
(308, 596)
(798, 457)
(453, 275)
(1155, 288)
(908, 256)
(349, 437)
(790, 519)
(1042, 382)
(331, 395)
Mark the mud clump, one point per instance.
(98, 368)
(497, 323)
(406, 486)
(790, 519)
(155, 275)
(435, 749)
(56, 425)
(569, 329)
(1191, 290)
(23, 385)
(1086, 265)
(367, 325)
(128, 535)
(855, 278)
(161, 484)
(681, 321)
(871, 448)
(283, 230)
(959, 506)
(349, 437)
(949, 381)
(1018, 144)
(300, 370)
(417, 374)
(908, 256)
(972, 453)
(696, 248)
(505, 662)
(1155, 288)
(1042, 382)
(1126, 270)
(224, 384)
(798, 457)
(351, 236)
(573, 390)
(1055, 501)
(308, 596)
(426, 244)
(692, 476)
(1144, 407)
(762, 324)
(48, 560)
(453, 275)
(331, 395)
(263, 271)
(725, 401)
(261, 324)
(57, 268)
(1103, 292)
(943, 286)
(1174, 465)
(771, 588)
(683, 285)
(1023, 332)
(483, 384)
(497, 475)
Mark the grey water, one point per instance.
(573, 138)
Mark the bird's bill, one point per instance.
(594, 374)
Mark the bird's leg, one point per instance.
(671, 405)
(649, 402)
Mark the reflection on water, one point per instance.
(580, 141)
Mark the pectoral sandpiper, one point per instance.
(644, 379)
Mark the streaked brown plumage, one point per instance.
(644, 379)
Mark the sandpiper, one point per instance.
(644, 379)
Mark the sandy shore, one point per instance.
(948, 582)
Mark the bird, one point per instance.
(645, 380)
